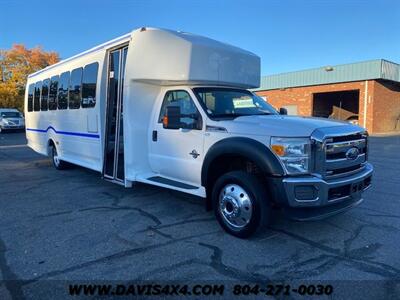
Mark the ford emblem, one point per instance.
(352, 153)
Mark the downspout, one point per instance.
(365, 103)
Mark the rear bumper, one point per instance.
(311, 197)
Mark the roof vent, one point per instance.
(328, 68)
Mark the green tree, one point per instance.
(15, 66)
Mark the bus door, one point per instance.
(113, 168)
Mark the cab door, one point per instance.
(178, 153)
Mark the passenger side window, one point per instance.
(53, 93)
(190, 116)
(89, 82)
(74, 100)
(36, 97)
(31, 90)
(62, 98)
(45, 95)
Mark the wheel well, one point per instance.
(227, 163)
(50, 144)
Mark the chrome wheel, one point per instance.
(235, 206)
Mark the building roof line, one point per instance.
(358, 71)
(333, 66)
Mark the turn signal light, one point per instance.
(278, 150)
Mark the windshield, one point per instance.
(231, 103)
(10, 114)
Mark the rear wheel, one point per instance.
(57, 162)
(240, 203)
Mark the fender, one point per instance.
(255, 151)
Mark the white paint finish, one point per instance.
(168, 57)
(139, 100)
(173, 146)
(157, 61)
(79, 150)
(278, 125)
(92, 123)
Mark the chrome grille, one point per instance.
(339, 154)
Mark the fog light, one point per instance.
(305, 192)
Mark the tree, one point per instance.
(15, 66)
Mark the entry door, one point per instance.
(114, 140)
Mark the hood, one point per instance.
(278, 125)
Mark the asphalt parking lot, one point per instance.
(72, 225)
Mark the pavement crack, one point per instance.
(232, 272)
(108, 258)
(235, 273)
(356, 258)
(11, 280)
(151, 274)
(200, 220)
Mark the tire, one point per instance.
(240, 204)
(57, 163)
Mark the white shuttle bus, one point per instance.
(172, 109)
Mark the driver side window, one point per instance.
(190, 116)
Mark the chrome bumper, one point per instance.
(312, 191)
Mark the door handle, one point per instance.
(154, 136)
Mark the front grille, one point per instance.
(340, 155)
(346, 138)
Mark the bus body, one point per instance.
(172, 109)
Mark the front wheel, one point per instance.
(240, 203)
(57, 162)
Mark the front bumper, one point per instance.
(313, 197)
(12, 127)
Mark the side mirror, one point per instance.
(172, 117)
(283, 111)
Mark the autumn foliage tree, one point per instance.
(15, 66)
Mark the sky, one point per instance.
(287, 35)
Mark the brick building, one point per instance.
(366, 92)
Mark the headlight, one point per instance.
(295, 153)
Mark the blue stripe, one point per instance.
(89, 135)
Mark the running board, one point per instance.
(171, 182)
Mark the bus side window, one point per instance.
(89, 82)
(75, 86)
(31, 90)
(36, 97)
(62, 98)
(53, 92)
(45, 95)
